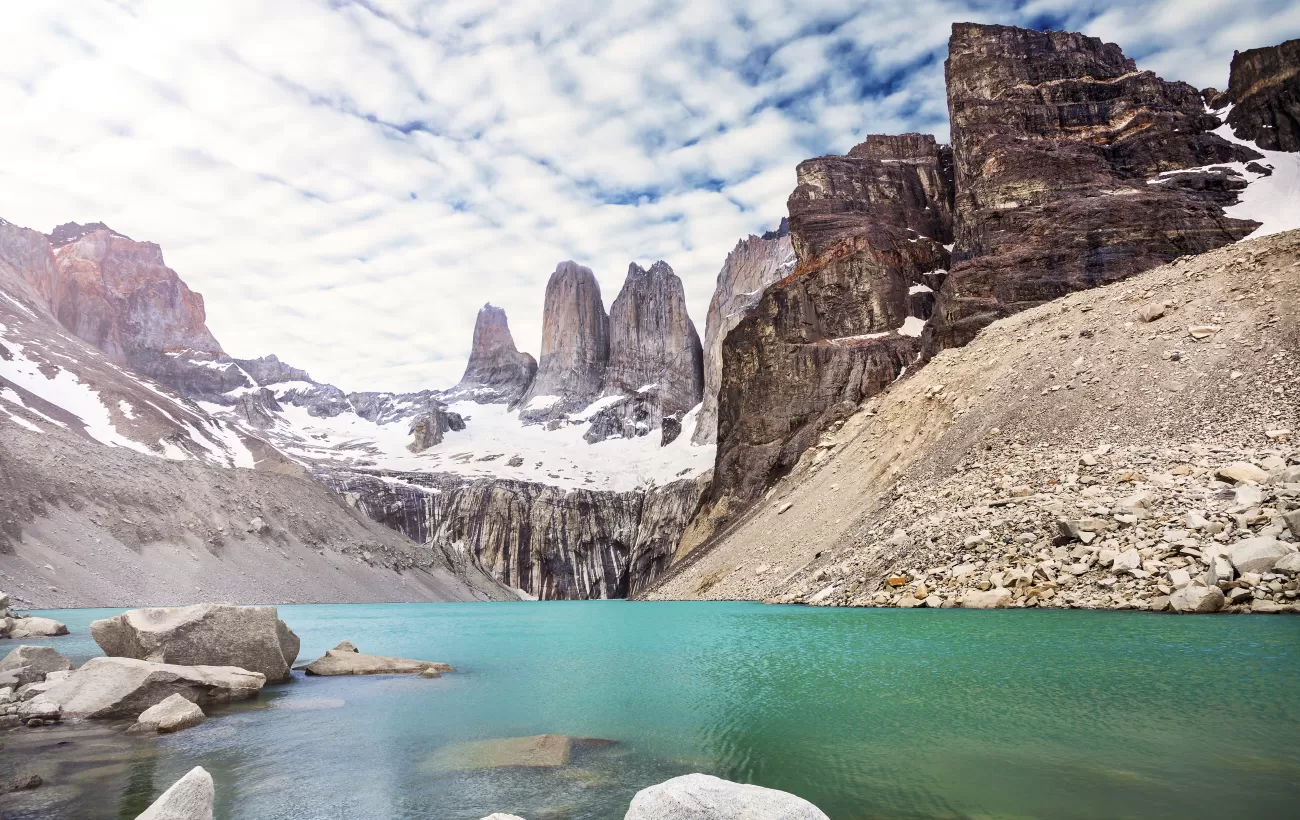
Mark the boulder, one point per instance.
(1197, 599)
(4, 602)
(1267, 607)
(30, 664)
(998, 598)
(126, 687)
(1259, 554)
(1241, 472)
(171, 715)
(535, 752)
(703, 797)
(1289, 563)
(190, 798)
(41, 708)
(32, 627)
(247, 637)
(346, 660)
(1127, 562)
(500, 816)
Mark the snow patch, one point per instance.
(912, 326)
(920, 289)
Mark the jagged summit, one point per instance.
(1264, 88)
(575, 344)
(497, 371)
(70, 232)
(782, 230)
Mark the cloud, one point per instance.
(347, 182)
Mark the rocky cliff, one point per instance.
(27, 267)
(575, 345)
(867, 229)
(1264, 89)
(1065, 157)
(752, 265)
(496, 371)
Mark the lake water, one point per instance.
(867, 713)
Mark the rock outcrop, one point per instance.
(751, 266)
(1063, 152)
(866, 228)
(193, 797)
(575, 345)
(653, 345)
(30, 664)
(28, 269)
(126, 687)
(548, 541)
(1264, 88)
(704, 797)
(344, 659)
(497, 372)
(429, 428)
(248, 637)
(172, 714)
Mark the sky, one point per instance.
(348, 181)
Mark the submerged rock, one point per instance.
(190, 798)
(704, 797)
(536, 751)
(248, 637)
(126, 687)
(172, 715)
(345, 659)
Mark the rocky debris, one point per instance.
(866, 228)
(30, 664)
(497, 372)
(653, 345)
(345, 659)
(190, 798)
(172, 714)
(551, 542)
(537, 752)
(1062, 150)
(1067, 470)
(704, 797)
(247, 637)
(126, 687)
(429, 428)
(1264, 89)
(575, 346)
(751, 266)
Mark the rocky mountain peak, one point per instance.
(653, 341)
(70, 232)
(497, 371)
(575, 344)
(1264, 88)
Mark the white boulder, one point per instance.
(30, 664)
(1259, 554)
(126, 687)
(703, 797)
(171, 715)
(33, 627)
(190, 798)
(997, 598)
(1197, 598)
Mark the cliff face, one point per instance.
(653, 340)
(1264, 88)
(547, 541)
(751, 266)
(575, 344)
(1060, 144)
(496, 372)
(27, 266)
(867, 228)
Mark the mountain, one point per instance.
(496, 372)
(1265, 96)
(575, 345)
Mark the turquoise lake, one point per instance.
(867, 713)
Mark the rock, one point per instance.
(998, 598)
(346, 646)
(344, 661)
(653, 342)
(908, 602)
(751, 266)
(190, 798)
(1054, 138)
(1265, 93)
(535, 752)
(1126, 562)
(126, 687)
(1289, 563)
(173, 714)
(575, 345)
(703, 797)
(497, 372)
(1292, 520)
(4, 602)
(1197, 599)
(259, 526)
(247, 637)
(25, 781)
(1219, 571)
(500, 816)
(1179, 578)
(40, 708)
(1267, 607)
(33, 627)
(1152, 312)
(430, 426)
(1259, 554)
(1241, 472)
(30, 664)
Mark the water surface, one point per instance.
(867, 713)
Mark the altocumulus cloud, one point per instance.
(347, 181)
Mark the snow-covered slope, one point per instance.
(1271, 199)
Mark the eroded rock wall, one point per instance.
(575, 344)
(653, 345)
(1264, 88)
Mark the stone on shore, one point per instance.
(190, 798)
(126, 687)
(30, 664)
(1197, 599)
(990, 599)
(344, 659)
(171, 715)
(33, 627)
(247, 637)
(703, 797)
(1259, 554)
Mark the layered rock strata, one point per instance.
(575, 345)
(752, 265)
(497, 372)
(867, 228)
(1264, 88)
(1063, 151)
(549, 542)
